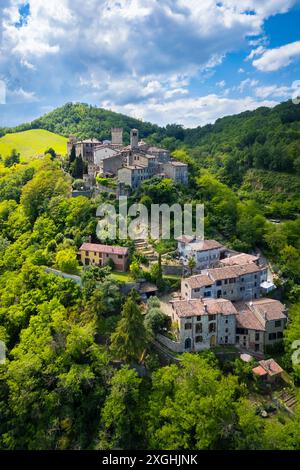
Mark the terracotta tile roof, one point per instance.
(269, 309)
(192, 308)
(232, 271)
(176, 163)
(253, 315)
(185, 238)
(271, 367)
(247, 319)
(198, 281)
(206, 245)
(96, 247)
(240, 259)
(259, 371)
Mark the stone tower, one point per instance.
(117, 136)
(72, 141)
(134, 138)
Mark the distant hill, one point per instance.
(264, 139)
(32, 142)
(85, 122)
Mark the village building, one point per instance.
(132, 164)
(232, 283)
(240, 259)
(260, 323)
(176, 171)
(203, 324)
(207, 253)
(85, 148)
(101, 255)
(268, 371)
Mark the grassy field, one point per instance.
(121, 277)
(31, 143)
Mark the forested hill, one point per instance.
(266, 139)
(85, 121)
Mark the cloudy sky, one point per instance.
(165, 61)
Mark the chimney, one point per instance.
(117, 136)
(134, 138)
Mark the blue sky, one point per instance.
(166, 61)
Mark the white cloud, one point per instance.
(221, 84)
(190, 111)
(2, 92)
(275, 59)
(247, 83)
(21, 96)
(273, 91)
(256, 52)
(135, 53)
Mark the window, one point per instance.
(237, 339)
(219, 294)
(226, 321)
(224, 293)
(199, 339)
(199, 318)
(226, 281)
(279, 335)
(86, 253)
(199, 328)
(188, 326)
(277, 323)
(120, 256)
(226, 339)
(197, 290)
(212, 318)
(219, 283)
(212, 328)
(256, 336)
(272, 336)
(241, 331)
(226, 330)
(207, 294)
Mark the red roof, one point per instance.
(109, 249)
(259, 370)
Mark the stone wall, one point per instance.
(172, 345)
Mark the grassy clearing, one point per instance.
(31, 143)
(122, 277)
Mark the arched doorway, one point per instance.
(212, 341)
(188, 344)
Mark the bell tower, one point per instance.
(117, 136)
(134, 138)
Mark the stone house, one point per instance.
(176, 171)
(268, 371)
(260, 323)
(207, 253)
(203, 323)
(133, 175)
(100, 255)
(232, 283)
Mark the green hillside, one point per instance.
(85, 122)
(32, 142)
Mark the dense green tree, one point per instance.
(121, 414)
(129, 340)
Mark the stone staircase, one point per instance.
(288, 399)
(143, 247)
